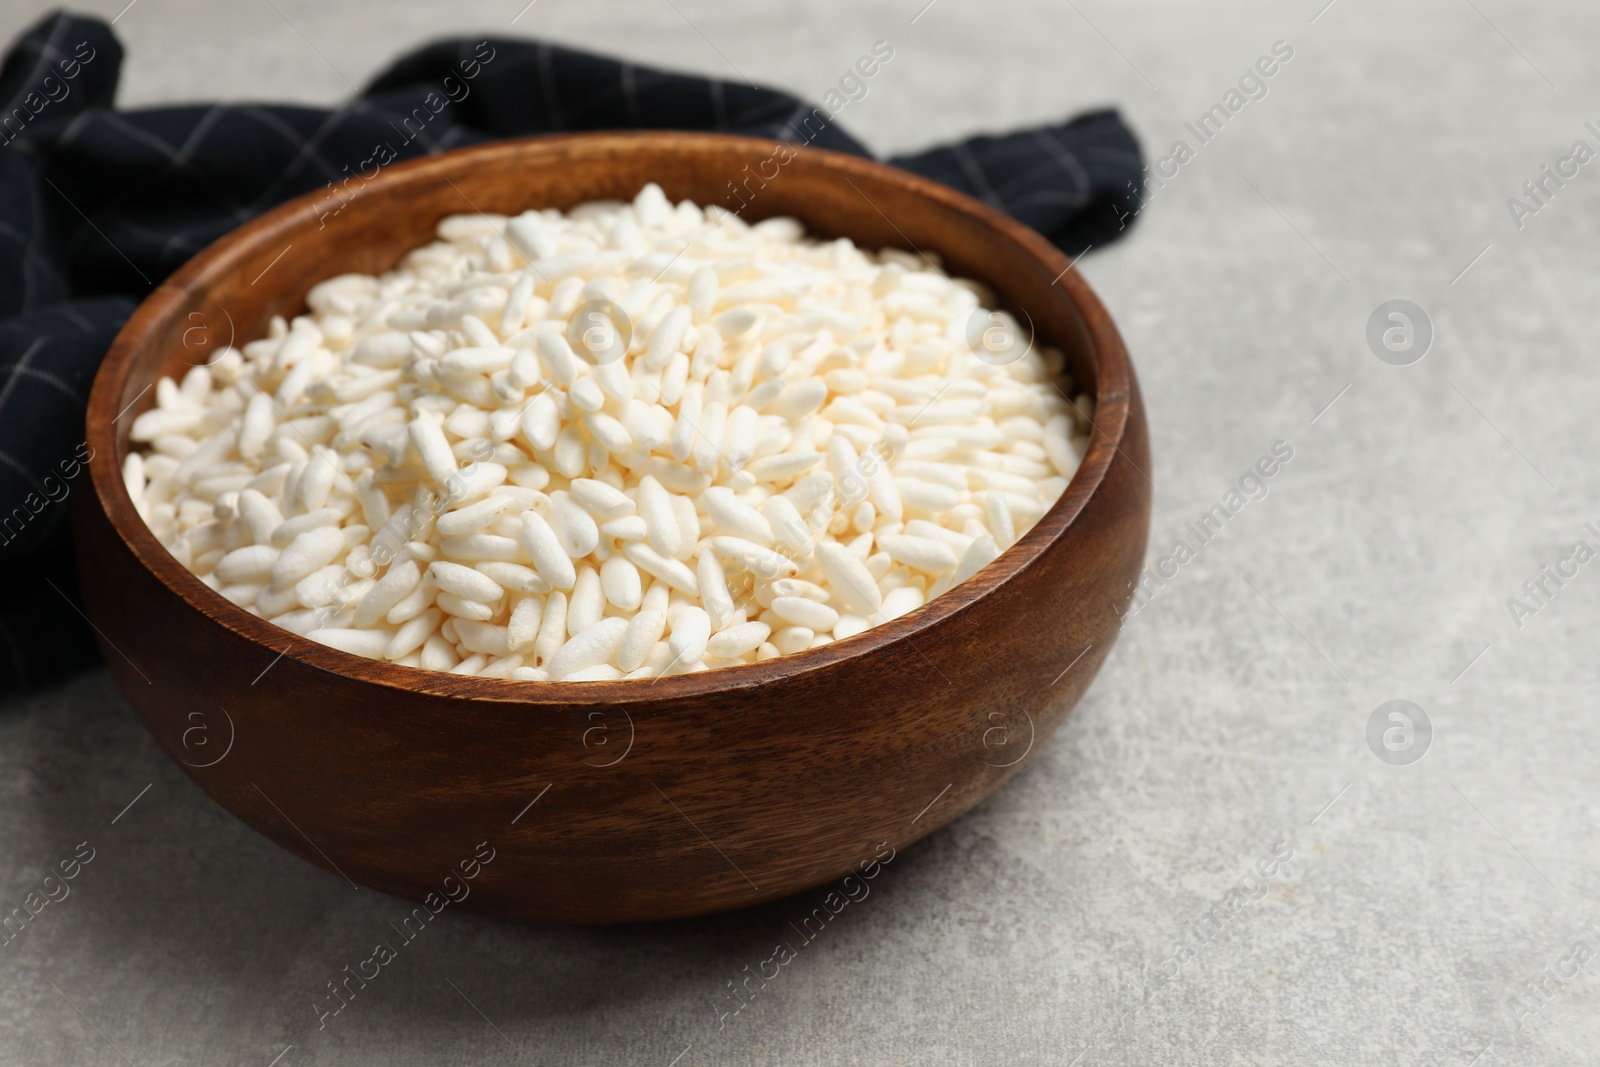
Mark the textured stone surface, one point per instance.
(1066, 919)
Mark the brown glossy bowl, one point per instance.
(614, 801)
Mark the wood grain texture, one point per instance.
(675, 797)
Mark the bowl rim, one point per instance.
(1112, 404)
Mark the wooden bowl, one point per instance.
(613, 801)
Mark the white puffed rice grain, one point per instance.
(625, 441)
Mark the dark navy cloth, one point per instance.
(98, 205)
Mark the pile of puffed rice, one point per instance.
(624, 441)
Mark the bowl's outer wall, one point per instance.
(667, 800)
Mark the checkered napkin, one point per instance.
(98, 205)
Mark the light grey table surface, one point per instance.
(1442, 912)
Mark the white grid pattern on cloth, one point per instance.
(11, 381)
(31, 254)
(176, 158)
(48, 52)
(14, 374)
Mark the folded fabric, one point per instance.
(98, 205)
